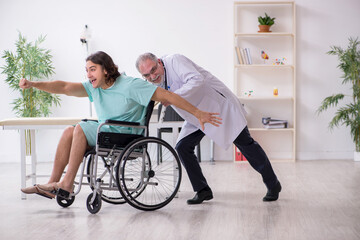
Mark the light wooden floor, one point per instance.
(320, 200)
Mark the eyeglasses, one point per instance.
(152, 71)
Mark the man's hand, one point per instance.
(165, 103)
(167, 98)
(207, 117)
(25, 84)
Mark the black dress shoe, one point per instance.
(202, 195)
(273, 194)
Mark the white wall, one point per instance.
(201, 30)
(322, 24)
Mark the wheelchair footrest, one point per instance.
(63, 193)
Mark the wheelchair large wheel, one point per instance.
(148, 178)
(110, 191)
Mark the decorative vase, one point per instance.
(264, 28)
(356, 156)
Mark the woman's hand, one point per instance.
(25, 84)
(207, 117)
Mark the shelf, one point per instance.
(254, 98)
(263, 66)
(262, 77)
(264, 3)
(272, 129)
(272, 34)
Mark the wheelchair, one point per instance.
(142, 171)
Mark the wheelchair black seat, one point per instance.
(109, 139)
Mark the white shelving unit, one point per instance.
(263, 76)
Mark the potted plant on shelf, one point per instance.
(349, 114)
(33, 63)
(265, 23)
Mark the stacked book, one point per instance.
(243, 55)
(274, 123)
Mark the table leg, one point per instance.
(22, 162)
(33, 157)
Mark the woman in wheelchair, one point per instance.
(116, 97)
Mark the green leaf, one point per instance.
(331, 101)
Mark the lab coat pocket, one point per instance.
(212, 103)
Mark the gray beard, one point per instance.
(161, 84)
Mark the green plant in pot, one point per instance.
(265, 23)
(33, 63)
(349, 114)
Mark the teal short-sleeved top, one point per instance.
(126, 100)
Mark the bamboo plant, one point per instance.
(33, 63)
(349, 114)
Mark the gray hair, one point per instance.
(144, 57)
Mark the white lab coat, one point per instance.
(206, 92)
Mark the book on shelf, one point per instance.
(239, 57)
(248, 55)
(243, 54)
(239, 157)
(277, 125)
(274, 123)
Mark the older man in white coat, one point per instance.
(180, 75)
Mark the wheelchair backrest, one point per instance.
(148, 113)
(170, 114)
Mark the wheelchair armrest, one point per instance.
(122, 122)
(120, 139)
(85, 120)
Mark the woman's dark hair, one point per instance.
(108, 65)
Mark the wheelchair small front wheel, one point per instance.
(94, 207)
(110, 192)
(63, 202)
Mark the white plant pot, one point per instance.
(356, 156)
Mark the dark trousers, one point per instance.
(246, 144)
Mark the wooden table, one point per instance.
(32, 124)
